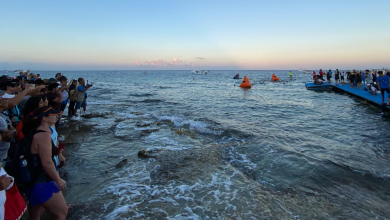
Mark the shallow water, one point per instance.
(276, 151)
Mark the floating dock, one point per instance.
(361, 94)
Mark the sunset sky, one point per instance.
(181, 35)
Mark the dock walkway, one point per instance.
(362, 94)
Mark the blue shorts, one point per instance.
(82, 104)
(41, 192)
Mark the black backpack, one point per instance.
(13, 163)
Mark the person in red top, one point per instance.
(321, 74)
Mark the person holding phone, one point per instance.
(80, 95)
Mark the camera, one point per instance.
(14, 84)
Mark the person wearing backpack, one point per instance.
(72, 97)
(80, 95)
(45, 190)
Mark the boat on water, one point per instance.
(305, 71)
(200, 72)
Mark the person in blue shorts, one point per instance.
(45, 192)
(363, 78)
(384, 82)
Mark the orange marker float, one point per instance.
(274, 78)
(245, 83)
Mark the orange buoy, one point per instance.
(274, 78)
(245, 83)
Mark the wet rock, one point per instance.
(142, 153)
(120, 164)
(148, 131)
(117, 120)
(140, 124)
(101, 115)
(137, 113)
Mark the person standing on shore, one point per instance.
(80, 94)
(54, 96)
(64, 88)
(72, 99)
(384, 82)
(45, 193)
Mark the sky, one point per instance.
(187, 35)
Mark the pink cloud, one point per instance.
(176, 61)
(137, 63)
(156, 63)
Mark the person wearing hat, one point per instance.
(384, 82)
(45, 193)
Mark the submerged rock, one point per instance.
(120, 164)
(97, 115)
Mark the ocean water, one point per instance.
(276, 151)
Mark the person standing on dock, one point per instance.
(368, 77)
(359, 79)
(363, 77)
(337, 76)
(354, 78)
(384, 82)
(321, 75)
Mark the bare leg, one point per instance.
(35, 211)
(57, 206)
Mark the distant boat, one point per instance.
(200, 72)
(305, 71)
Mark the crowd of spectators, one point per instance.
(32, 109)
(372, 81)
